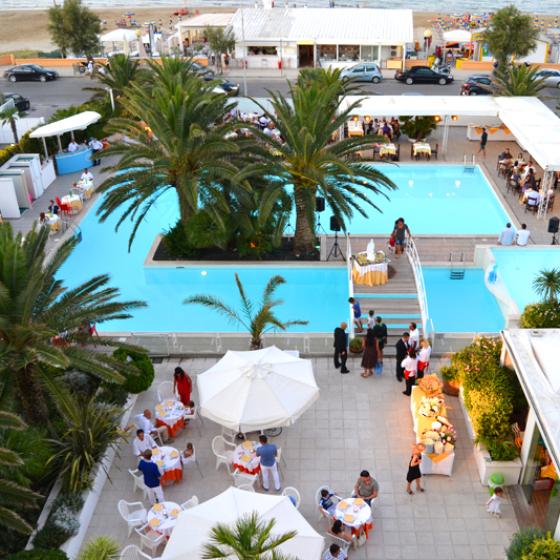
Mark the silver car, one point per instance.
(550, 77)
(363, 72)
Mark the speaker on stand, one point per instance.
(319, 207)
(335, 251)
(553, 227)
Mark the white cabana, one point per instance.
(457, 36)
(193, 526)
(119, 36)
(248, 391)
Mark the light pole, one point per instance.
(427, 40)
(244, 51)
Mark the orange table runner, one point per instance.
(174, 429)
(175, 475)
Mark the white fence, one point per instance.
(413, 257)
(350, 283)
(23, 124)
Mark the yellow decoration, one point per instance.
(349, 518)
(155, 522)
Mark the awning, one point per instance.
(119, 36)
(76, 122)
(457, 35)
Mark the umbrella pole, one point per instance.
(59, 144)
(45, 148)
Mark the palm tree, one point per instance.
(547, 285)
(249, 539)
(517, 80)
(42, 322)
(9, 116)
(175, 140)
(12, 494)
(257, 320)
(327, 77)
(314, 163)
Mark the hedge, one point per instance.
(38, 554)
(145, 377)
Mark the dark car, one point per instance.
(423, 75)
(30, 72)
(21, 103)
(230, 88)
(477, 85)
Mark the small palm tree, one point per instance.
(256, 320)
(13, 494)
(249, 539)
(326, 78)
(547, 285)
(517, 80)
(10, 116)
(221, 41)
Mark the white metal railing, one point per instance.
(414, 259)
(350, 284)
(546, 188)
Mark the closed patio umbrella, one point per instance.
(257, 390)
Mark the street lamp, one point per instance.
(427, 40)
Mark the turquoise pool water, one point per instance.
(317, 295)
(518, 268)
(461, 305)
(433, 199)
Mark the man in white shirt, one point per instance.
(73, 146)
(507, 236)
(414, 340)
(144, 422)
(142, 442)
(96, 146)
(523, 236)
(86, 176)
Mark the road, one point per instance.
(48, 97)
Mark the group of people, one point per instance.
(93, 143)
(389, 129)
(510, 236)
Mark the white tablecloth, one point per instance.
(162, 517)
(244, 457)
(361, 514)
(387, 150)
(170, 411)
(421, 148)
(444, 467)
(167, 458)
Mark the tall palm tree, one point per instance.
(257, 320)
(42, 322)
(174, 140)
(547, 285)
(316, 163)
(13, 496)
(517, 80)
(10, 116)
(327, 77)
(249, 539)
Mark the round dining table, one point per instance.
(163, 516)
(171, 413)
(168, 459)
(245, 458)
(355, 514)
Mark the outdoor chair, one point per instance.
(165, 391)
(65, 209)
(343, 543)
(293, 494)
(323, 514)
(195, 416)
(247, 487)
(435, 151)
(190, 503)
(155, 435)
(132, 552)
(224, 456)
(242, 479)
(149, 538)
(134, 513)
(192, 459)
(230, 436)
(138, 480)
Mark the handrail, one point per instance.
(414, 260)
(350, 284)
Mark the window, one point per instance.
(358, 70)
(262, 51)
(422, 71)
(371, 68)
(370, 53)
(327, 52)
(348, 52)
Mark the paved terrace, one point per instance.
(356, 423)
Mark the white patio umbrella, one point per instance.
(191, 532)
(457, 36)
(256, 390)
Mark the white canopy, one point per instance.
(191, 532)
(248, 391)
(76, 122)
(119, 36)
(457, 36)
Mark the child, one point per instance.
(326, 501)
(188, 454)
(495, 502)
(189, 409)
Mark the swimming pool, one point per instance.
(461, 305)
(318, 295)
(434, 199)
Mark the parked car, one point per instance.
(21, 103)
(30, 72)
(477, 85)
(364, 72)
(550, 77)
(203, 71)
(230, 88)
(423, 75)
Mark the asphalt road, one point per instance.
(46, 98)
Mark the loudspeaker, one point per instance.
(553, 225)
(335, 224)
(319, 204)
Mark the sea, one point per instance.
(479, 7)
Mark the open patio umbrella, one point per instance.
(457, 36)
(257, 390)
(191, 532)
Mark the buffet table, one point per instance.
(72, 162)
(370, 273)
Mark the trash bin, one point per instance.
(495, 480)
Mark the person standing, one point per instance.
(483, 142)
(414, 472)
(400, 234)
(380, 333)
(523, 236)
(410, 366)
(268, 453)
(369, 358)
(494, 504)
(357, 312)
(414, 340)
(402, 353)
(182, 385)
(152, 477)
(341, 348)
(507, 236)
(424, 358)
(142, 442)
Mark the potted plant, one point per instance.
(356, 346)
(451, 383)
(417, 128)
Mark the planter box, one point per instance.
(511, 470)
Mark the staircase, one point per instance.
(456, 266)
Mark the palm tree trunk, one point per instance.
(13, 124)
(32, 397)
(186, 210)
(304, 237)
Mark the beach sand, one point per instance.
(28, 29)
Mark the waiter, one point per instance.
(402, 352)
(341, 348)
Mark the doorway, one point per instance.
(306, 56)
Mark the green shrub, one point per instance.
(545, 548)
(417, 128)
(448, 374)
(111, 393)
(356, 345)
(38, 554)
(62, 522)
(101, 548)
(521, 541)
(541, 316)
(145, 377)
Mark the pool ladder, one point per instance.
(456, 266)
(469, 164)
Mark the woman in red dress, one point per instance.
(182, 385)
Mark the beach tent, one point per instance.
(457, 36)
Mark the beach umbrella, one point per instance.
(192, 530)
(457, 36)
(257, 390)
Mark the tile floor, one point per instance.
(356, 424)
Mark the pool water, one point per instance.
(461, 305)
(519, 267)
(434, 199)
(318, 295)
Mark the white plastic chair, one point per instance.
(247, 487)
(292, 492)
(132, 552)
(165, 391)
(138, 480)
(343, 543)
(190, 503)
(134, 513)
(149, 538)
(224, 456)
(192, 459)
(242, 479)
(140, 425)
(195, 416)
(323, 513)
(230, 436)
